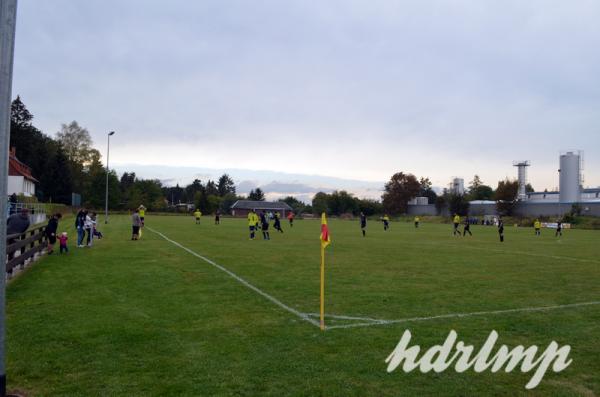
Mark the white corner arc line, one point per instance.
(274, 300)
(458, 315)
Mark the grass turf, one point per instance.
(147, 318)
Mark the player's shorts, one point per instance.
(197, 218)
(363, 225)
(135, 229)
(456, 225)
(52, 239)
(252, 228)
(265, 226)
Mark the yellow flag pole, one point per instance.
(322, 288)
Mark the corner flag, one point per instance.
(325, 241)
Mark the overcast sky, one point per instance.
(350, 89)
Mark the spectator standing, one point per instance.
(136, 223)
(88, 226)
(80, 226)
(18, 223)
(51, 229)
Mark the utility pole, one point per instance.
(8, 21)
(107, 170)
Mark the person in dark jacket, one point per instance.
(51, 230)
(18, 223)
(264, 224)
(80, 226)
(501, 230)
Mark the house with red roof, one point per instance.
(20, 179)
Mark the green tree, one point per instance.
(76, 141)
(225, 185)
(479, 191)
(297, 206)
(32, 147)
(440, 203)
(256, 195)
(319, 203)
(426, 190)
(506, 195)
(60, 189)
(370, 207)
(341, 202)
(399, 191)
(211, 188)
(458, 204)
(227, 201)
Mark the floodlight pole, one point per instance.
(8, 21)
(107, 170)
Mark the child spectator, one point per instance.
(62, 239)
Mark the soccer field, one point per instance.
(202, 310)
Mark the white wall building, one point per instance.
(20, 180)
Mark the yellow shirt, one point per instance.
(386, 218)
(417, 219)
(537, 225)
(197, 214)
(457, 219)
(252, 219)
(142, 213)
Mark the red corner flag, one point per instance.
(325, 241)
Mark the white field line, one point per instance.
(338, 317)
(490, 249)
(459, 315)
(276, 301)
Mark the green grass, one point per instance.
(147, 318)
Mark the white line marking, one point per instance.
(344, 317)
(276, 301)
(458, 315)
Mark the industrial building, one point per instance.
(533, 204)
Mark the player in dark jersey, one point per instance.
(467, 227)
(363, 224)
(277, 223)
(501, 230)
(264, 225)
(558, 229)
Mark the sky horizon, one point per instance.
(342, 89)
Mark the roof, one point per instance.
(260, 205)
(18, 168)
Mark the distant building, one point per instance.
(457, 186)
(20, 179)
(241, 208)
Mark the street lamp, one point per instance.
(106, 197)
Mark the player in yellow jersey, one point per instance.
(142, 213)
(252, 223)
(386, 222)
(537, 225)
(417, 220)
(456, 222)
(197, 215)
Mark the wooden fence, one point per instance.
(22, 249)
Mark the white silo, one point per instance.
(570, 177)
(457, 186)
